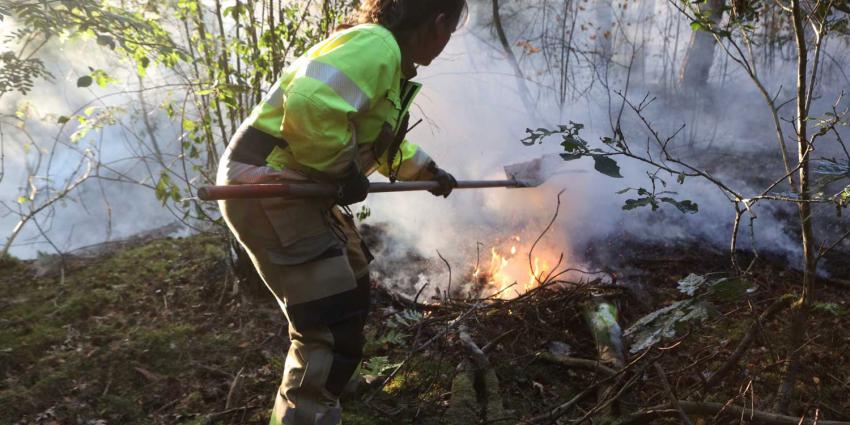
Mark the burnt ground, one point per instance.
(155, 333)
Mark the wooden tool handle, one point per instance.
(318, 190)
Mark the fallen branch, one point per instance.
(475, 353)
(564, 408)
(578, 363)
(720, 409)
(670, 393)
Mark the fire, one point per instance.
(508, 272)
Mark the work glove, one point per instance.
(446, 180)
(353, 188)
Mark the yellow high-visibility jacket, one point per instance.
(326, 111)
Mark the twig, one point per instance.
(449, 326)
(492, 344)
(563, 408)
(419, 292)
(477, 354)
(720, 409)
(543, 233)
(449, 289)
(673, 399)
(577, 363)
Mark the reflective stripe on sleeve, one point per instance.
(412, 167)
(275, 96)
(340, 83)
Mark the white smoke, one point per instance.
(477, 115)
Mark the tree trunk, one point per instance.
(700, 54)
(800, 313)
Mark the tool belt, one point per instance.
(252, 146)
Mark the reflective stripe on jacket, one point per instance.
(329, 107)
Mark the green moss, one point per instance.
(730, 290)
(84, 304)
(161, 348)
(463, 406)
(21, 343)
(119, 406)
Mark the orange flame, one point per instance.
(508, 275)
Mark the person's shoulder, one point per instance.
(372, 33)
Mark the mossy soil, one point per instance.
(154, 334)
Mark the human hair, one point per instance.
(404, 16)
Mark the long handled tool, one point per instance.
(527, 174)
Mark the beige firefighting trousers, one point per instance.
(310, 256)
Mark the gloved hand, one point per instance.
(446, 180)
(353, 188)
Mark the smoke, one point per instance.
(476, 111)
(97, 210)
(477, 116)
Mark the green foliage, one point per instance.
(8, 261)
(654, 198)
(393, 336)
(576, 147)
(166, 189)
(377, 366)
(363, 213)
(607, 166)
(84, 81)
(830, 308)
(134, 32)
(227, 57)
(93, 119)
(19, 74)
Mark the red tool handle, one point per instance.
(318, 190)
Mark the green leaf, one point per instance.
(102, 78)
(696, 25)
(62, 119)
(570, 156)
(163, 187)
(189, 125)
(22, 199)
(686, 206)
(607, 166)
(636, 203)
(85, 81)
(364, 213)
(106, 40)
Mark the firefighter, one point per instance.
(337, 114)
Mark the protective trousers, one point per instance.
(310, 256)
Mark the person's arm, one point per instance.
(331, 87)
(412, 163)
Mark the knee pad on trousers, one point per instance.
(347, 352)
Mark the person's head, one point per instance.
(421, 27)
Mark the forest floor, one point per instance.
(153, 333)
